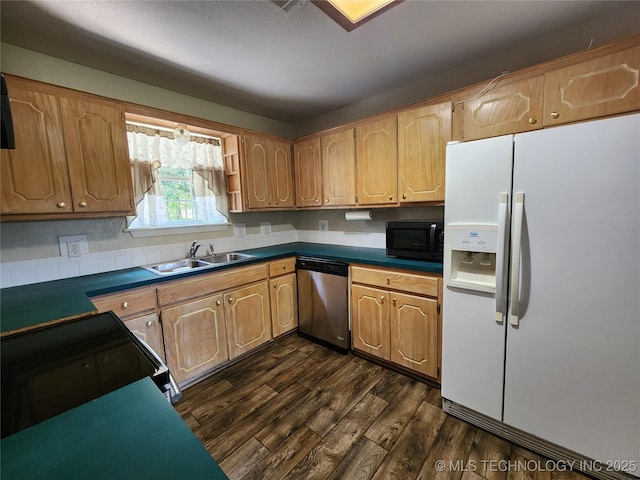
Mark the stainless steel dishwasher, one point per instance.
(323, 300)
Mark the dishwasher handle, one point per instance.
(323, 265)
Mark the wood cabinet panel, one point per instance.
(97, 155)
(127, 303)
(595, 88)
(39, 149)
(282, 175)
(247, 315)
(370, 321)
(423, 134)
(268, 170)
(308, 169)
(509, 108)
(195, 337)
(284, 304)
(281, 267)
(339, 168)
(396, 280)
(377, 162)
(148, 329)
(208, 283)
(414, 333)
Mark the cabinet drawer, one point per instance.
(209, 283)
(280, 267)
(128, 302)
(396, 280)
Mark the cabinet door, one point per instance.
(194, 337)
(423, 134)
(284, 304)
(339, 168)
(377, 162)
(97, 155)
(148, 329)
(248, 319)
(308, 168)
(598, 87)
(414, 333)
(34, 175)
(258, 191)
(281, 172)
(510, 108)
(370, 321)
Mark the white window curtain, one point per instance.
(151, 149)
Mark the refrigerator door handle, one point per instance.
(503, 218)
(514, 290)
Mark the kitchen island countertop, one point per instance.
(132, 432)
(39, 304)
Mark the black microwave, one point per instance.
(416, 240)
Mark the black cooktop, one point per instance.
(57, 368)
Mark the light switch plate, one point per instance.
(323, 226)
(239, 230)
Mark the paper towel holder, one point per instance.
(358, 215)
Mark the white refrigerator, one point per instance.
(541, 309)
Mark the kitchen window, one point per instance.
(179, 181)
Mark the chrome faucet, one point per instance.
(211, 252)
(194, 248)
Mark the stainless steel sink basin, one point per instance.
(226, 257)
(189, 264)
(178, 266)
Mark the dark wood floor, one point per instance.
(297, 410)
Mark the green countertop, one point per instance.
(48, 302)
(96, 441)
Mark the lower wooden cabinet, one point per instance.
(395, 317)
(248, 318)
(195, 337)
(284, 304)
(148, 329)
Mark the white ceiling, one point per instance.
(287, 66)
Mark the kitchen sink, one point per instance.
(192, 264)
(226, 257)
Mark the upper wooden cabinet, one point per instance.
(423, 134)
(603, 86)
(510, 108)
(71, 157)
(339, 168)
(377, 162)
(268, 173)
(308, 168)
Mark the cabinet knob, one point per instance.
(61, 204)
(83, 204)
(317, 201)
(388, 280)
(230, 300)
(284, 267)
(277, 202)
(269, 202)
(326, 200)
(555, 114)
(218, 303)
(390, 197)
(404, 195)
(381, 298)
(532, 121)
(394, 300)
(125, 305)
(149, 323)
(275, 285)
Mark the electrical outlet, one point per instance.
(239, 230)
(265, 228)
(73, 249)
(73, 246)
(323, 225)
